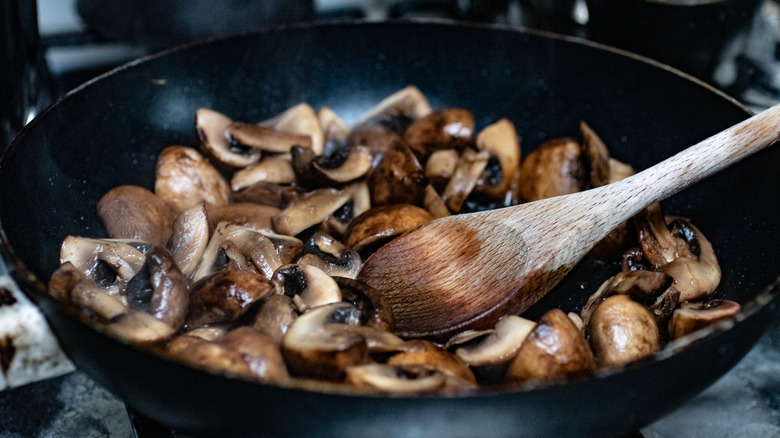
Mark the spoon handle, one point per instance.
(699, 161)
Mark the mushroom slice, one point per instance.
(554, 168)
(650, 288)
(397, 379)
(135, 213)
(277, 169)
(694, 316)
(596, 157)
(333, 127)
(374, 309)
(434, 203)
(321, 344)
(184, 179)
(330, 255)
(398, 178)
(245, 214)
(261, 353)
(190, 238)
(377, 138)
(139, 327)
(658, 244)
(265, 139)
(301, 120)
(383, 223)
(470, 166)
(308, 286)
(275, 316)
(359, 202)
(160, 289)
(225, 295)
(288, 248)
(501, 142)
(211, 129)
(266, 193)
(554, 350)
(344, 167)
(492, 353)
(311, 209)
(210, 355)
(440, 166)
(409, 104)
(109, 264)
(448, 128)
(622, 331)
(244, 247)
(434, 357)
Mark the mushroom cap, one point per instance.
(596, 156)
(276, 314)
(622, 331)
(135, 213)
(434, 357)
(225, 295)
(184, 179)
(554, 168)
(398, 178)
(447, 128)
(169, 300)
(408, 103)
(382, 223)
(245, 214)
(211, 129)
(261, 353)
(554, 351)
(694, 316)
(190, 238)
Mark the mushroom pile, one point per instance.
(245, 256)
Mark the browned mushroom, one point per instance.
(275, 316)
(333, 127)
(190, 237)
(160, 289)
(650, 288)
(471, 166)
(694, 316)
(396, 379)
(434, 357)
(448, 128)
(622, 331)
(211, 129)
(277, 169)
(398, 178)
(245, 214)
(596, 157)
(490, 355)
(110, 264)
(434, 203)
(330, 255)
(408, 103)
(374, 309)
(308, 286)
(503, 146)
(265, 139)
(359, 202)
(554, 351)
(554, 168)
(301, 120)
(225, 295)
(440, 167)
(238, 247)
(345, 165)
(184, 179)
(311, 209)
(133, 212)
(261, 353)
(382, 223)
(320, 343)
(377, 138)
(266, 193)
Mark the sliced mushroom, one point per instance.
(470, 166)
(434, 203)
(554, 168)
(554, 351)
(211, 129)
(301, 120)
(184, 179)
(139, 327)
(377, 138)
(266, 193)
(374, 309)
(245, 214)
(133, 212)
(680, 250)
(288, 248)
(344, 167)
(408, 104)
(448, 128)
(596, 157)
(650, 288)
(490, 355)
(396, 379)
(261, 353)
(501, 142)
(694, 316)
(434, 357)
(265, 139)
(160, 289)
(320, 343)
(383, 223)
(190, 238)
(398, 178)
(308, 286)
(277, 169)
(109, 264)
(330, 255)
(275, 316)
(440, 167)
(210, 355)
(311, 209)
(225, 295)
(359, 202)
(622, 331)
(333, 127)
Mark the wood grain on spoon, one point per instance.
(466, 271)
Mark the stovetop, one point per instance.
(743, 403)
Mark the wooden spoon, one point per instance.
(466, 271)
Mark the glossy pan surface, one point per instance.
(109, 132)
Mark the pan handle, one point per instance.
(29, 352)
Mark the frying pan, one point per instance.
(109, 131)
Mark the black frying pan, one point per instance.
(108, 132)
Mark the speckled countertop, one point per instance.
(743, 403)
